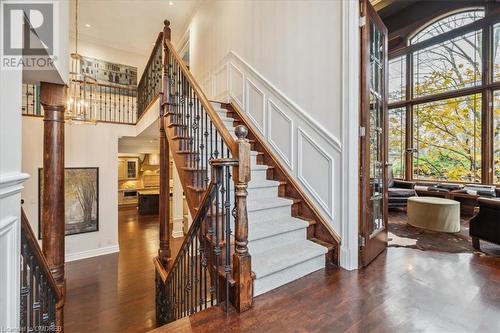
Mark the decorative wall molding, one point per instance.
(326, 203)
(250, 109)
(92, 253)
(281, 120)
(9, 259)
(236, 90)
(12, 183)
(287, 157)
(221, 78)
(349, 249)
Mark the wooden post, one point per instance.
(53, 100)
(242, 261)
(164, 250)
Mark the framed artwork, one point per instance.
(81, 200)
(109, 73)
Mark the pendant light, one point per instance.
(82, 92)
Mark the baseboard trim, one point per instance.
(92, 253)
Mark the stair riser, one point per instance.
(269, 243)
(269, 213)
(259, 175)
(275, 280)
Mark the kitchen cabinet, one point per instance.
(128, 168)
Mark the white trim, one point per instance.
(329, 137)
(350, 135)
(328, 207)
(249, 83)
(288, 160)
(12, 183)
(92, 253)
(241, 102)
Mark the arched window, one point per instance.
(447, 23)
(444, 100)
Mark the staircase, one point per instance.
(277, 241)
(253, 230)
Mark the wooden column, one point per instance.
(164, 250)
(53, 100)
(242, 261)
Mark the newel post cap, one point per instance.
(241, 132)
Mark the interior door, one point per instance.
(373, 136)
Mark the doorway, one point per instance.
(373, 142)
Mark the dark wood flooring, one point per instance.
(116, 292)
(403, 290)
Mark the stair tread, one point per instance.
(264, 229)
(285, 256)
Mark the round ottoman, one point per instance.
(437, 214)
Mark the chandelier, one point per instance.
(83, 89)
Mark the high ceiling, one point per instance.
(386, 8)
(130, 25)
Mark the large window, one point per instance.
(397, 136)
(450, 77)
(447, 139)
(496, 140)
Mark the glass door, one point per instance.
(373, 139)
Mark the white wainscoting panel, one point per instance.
(236, 85)
(221, 82)
(9, 267)
(255, 105)
(310, 152)
(315, 170)
(280, 132)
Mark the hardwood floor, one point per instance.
(403, 290)
(116, 292)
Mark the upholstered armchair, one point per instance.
(399, 191)
(486, 223)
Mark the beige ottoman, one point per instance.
(432, 213)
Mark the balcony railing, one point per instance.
(111, 103)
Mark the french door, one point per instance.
(373, 136)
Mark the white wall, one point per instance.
(85, 146)
(294, 44)
(11, 180)
(283, 63)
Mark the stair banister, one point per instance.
(226, 136)
(242, 261)
(39, 294)
(213, 265)
(164, 209)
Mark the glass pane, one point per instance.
(496, 53)
(447, 136)
(397, 79)
(376, 127)
(397, 137)
(451, 65)
(496, 140)
(446, 24)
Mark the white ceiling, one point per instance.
(146, 142)
(130, 25)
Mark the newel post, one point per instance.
(164, 249)
(53, 100)
(242, 261)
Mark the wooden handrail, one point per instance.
(37, 251)
(221, 128)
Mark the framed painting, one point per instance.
(81, 200)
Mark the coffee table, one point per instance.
(432, 213)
